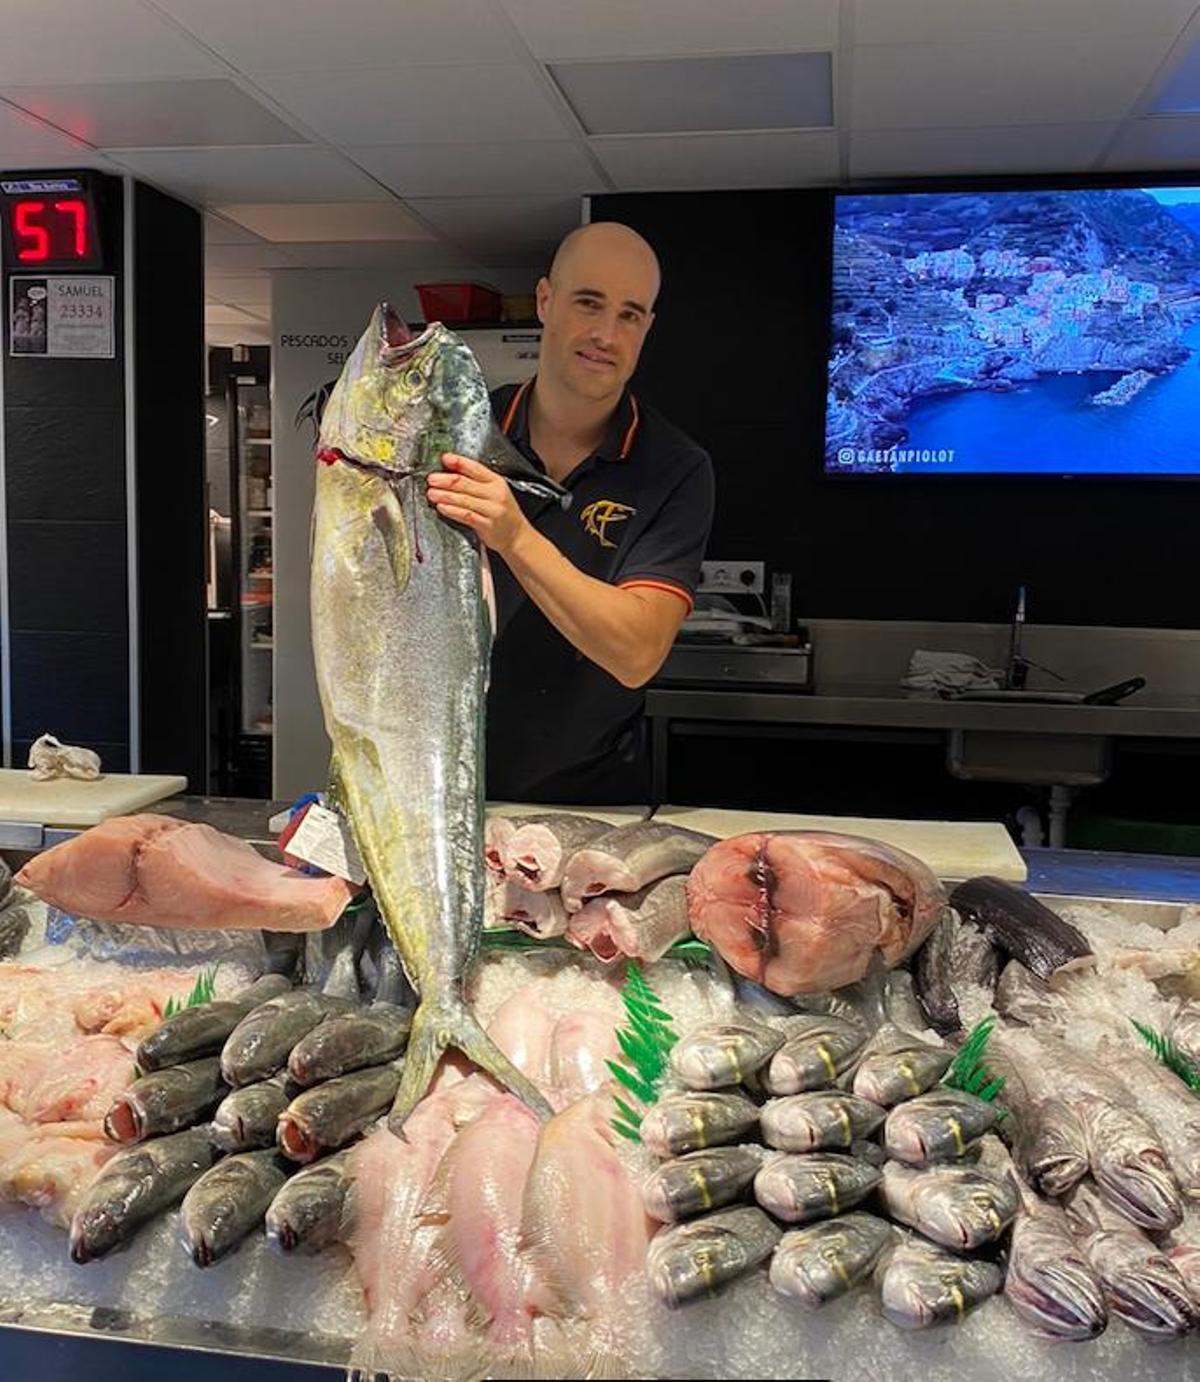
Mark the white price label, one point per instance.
(323, 838)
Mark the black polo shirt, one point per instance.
(560, 728)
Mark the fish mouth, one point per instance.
(284, 1237)
(1153, 1306)
(1142, 1198)
(124, 1122)
(1061, 1301)
(296, 1141)
(202, 1252)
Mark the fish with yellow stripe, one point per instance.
(687, 1261)
(923, 1285)
(813, 1185)
(895, 1065)
(960, 1207)
(718, 1054)
(692, 1121)
(823, 1261)
(942, 1125)
(700, 1181)
(823, 1119)
(818, 1048)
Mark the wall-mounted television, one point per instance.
(1016, 332)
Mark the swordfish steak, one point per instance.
(402, 638)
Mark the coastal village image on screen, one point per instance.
(1016, 331)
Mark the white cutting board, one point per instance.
(64, 801)
(614, 815)
(954, 850)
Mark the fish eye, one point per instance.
(414, 378)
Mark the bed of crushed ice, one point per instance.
(747, 1331)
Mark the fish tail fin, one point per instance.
(433, 1030)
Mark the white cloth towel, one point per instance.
(928, 671)
(49, 759)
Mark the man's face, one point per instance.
(595, 316)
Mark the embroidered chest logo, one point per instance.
(597, 516)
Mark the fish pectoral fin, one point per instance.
(387, 517)
(500, 455)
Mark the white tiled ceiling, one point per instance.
(441, 118)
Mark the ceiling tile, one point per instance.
(317, 222)
(712, 161)
(244, 259)
(86, 41)
(218, 231)
(399, 254)
(444, 105)
(287, 36)
(751, 92)
(1162, 141)
(500, 223)
(250, 290)
(1010, 149)
(24, 140)
(223, 315)
(940, 86)
(458, 170)
(153, 115)
(280, 174)
(557, 29)
(952, 21)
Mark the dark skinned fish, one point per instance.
(956, 954)
(814, 1185)
(136, 1185)
(246, 1119)
(203, 1030)
(688, 1261)
(690, 1122)
(350, 1041)
(165, 1101)
(328, 1116)
(228, 1202)
(922, 1285)
(818, 1120)
(817, 1264)
(401, 641)
(895, 1065)
(313, 1209)
(939, 1126)
(700, 1181)
(816, 1051)
(723, 1053)
(259, 1046)
(1020, 925)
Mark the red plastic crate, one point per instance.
(459, 302)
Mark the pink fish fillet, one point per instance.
(51, 1172)
(523, 1028)
(78, 1082)
(583, 1225)
(805, 911)
(157, 871)
(629, 857)
(642, 925)
(582, 1042)
(535, 854)
(34, 1004)
(485, 1172)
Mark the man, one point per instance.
(589, 599)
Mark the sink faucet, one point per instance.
(1017, 668)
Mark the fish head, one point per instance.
(961, 1210)
(1148, 1294)
(1057, 1290)
(1143, 1189)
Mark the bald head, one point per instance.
(611, 244)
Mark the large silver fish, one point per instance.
(823, 1261)
(401, 639)
(923, 1285)
(1050, 1282)
(960, 1207)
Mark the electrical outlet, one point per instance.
(732, 577)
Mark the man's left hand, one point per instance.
(469, 493)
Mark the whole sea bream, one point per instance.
(401, 638)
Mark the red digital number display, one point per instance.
(51, 230)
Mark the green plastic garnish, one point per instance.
(968, 1072)
(645, 1043)
(202, 992)
(1169, 1054)
(689, 950)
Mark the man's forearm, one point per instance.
(610, 626)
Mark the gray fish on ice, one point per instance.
(327, 1116)
(923, 1285)
(896, 1065)
(817, 1264)
(937, 1127)
(819, 1120)
(628, 857)
(816, 1051)
(259, 1046)
(692, 1121)
(1050, 1282)
(136, 1185)
(687, 1261)
(956, 956)
(246, 1118)
(700, 1181)
(960, 1207)
(202, 1031)
(165, 1101)
(717, 1054)
(401, 641)
(228, 1202)
(813, 1185)
(350, 1041)
(1185, 1031)
(313, 1209)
